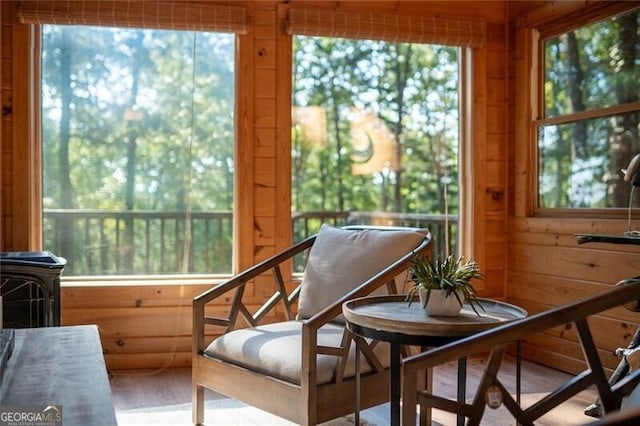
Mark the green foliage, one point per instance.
(137, 120)
(592, 68)
(453, 275)
(149, 72)
(412, 90)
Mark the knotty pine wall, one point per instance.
(148, 325)
(546, 266)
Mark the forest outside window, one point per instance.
(138, 142)
(590, 114)
(376, 134)
(378, 105)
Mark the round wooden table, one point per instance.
(392, 319)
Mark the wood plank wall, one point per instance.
(148, 325)
(5, 123)
(546, 266)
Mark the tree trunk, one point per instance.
(127, 255)
(339, 158)
(575, 77)
(560, 152)
(402, 74)
(64, 229)
(623, 143)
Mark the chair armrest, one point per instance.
(252, 272)
(513, 331)
(237, 284)
(495, 341)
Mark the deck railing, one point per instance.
(148, 243)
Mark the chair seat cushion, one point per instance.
(275, 350)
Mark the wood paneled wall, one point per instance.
(4, 159)
(146, 325)
(546, 266)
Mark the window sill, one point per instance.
(144, 280)
(582, 213)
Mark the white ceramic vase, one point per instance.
(440, 304)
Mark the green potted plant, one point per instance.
(444, 285)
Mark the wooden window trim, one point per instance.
(27, 174)
(453, 31)
(467, 34)
(144, 280)
(27, 37)
(592, 113)
(170, 15)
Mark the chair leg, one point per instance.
(308, 416)
(197, 404)
(425, 382)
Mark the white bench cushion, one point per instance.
(275, 350)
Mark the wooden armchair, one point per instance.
(495, 342)
(298, 363)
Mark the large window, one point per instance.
(590, 114)
(375, 133)
(138, 133)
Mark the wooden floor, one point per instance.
(164, 397)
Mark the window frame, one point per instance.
(532, 30)
(27, 37)
(439, 234)
(103, 240)
(323, 23)
(471, 182)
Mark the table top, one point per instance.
(60, 366)
(393, 314)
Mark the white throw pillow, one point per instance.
(340, 260)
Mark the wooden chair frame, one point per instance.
(496, 341)
(307, 403)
